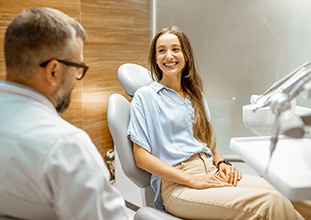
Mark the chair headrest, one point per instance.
(133, 76)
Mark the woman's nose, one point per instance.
(169, 54)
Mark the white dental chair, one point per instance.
(132, 77)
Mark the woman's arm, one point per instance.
(161, 169)
(217, 156)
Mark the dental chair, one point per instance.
(132, 77)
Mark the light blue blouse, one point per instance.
(161, 122)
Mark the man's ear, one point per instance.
(51, 72)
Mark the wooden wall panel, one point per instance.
(118, 32)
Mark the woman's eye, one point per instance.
(176, 49)
(161, 51)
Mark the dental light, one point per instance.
(279, 96)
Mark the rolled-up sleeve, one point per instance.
(138, 129)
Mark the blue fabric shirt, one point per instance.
(162, 123)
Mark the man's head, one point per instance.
(43, 49)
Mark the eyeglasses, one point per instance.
(82, 68)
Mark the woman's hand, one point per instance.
(229, 173)
(208, 181)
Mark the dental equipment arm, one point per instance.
(288, 85)
(278, 98)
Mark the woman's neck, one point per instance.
(174, 84)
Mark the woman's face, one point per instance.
(169, 55)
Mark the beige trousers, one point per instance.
(253, 198)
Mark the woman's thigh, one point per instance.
(253, 198)
(249, 181)
(226, 203)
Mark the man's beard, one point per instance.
(63, 97)
(63, 103)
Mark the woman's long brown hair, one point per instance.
(191, 83)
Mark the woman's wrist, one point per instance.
(224, 161)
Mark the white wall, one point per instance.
(242, 47)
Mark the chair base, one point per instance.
(153, 214)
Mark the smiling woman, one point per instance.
(175, 142)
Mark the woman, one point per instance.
(174, 141)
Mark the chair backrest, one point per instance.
(133, 76)
(118, 115)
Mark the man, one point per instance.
(49, 169)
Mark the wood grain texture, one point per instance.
(118, 32)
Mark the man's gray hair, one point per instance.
(37, 35)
